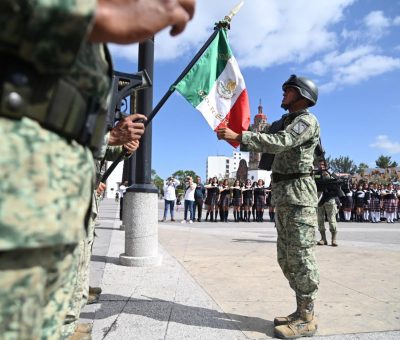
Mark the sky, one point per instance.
(350, 48)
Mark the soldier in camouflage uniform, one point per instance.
(327, 206)
(80, 282)
(295, 198)
(54, 81)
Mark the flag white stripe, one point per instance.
(214, 107)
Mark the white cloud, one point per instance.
(268, 33)
(377, 22)
(360, 70)
(334, 60)
(383, 142)
(263, 33)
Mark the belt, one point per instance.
(56, 104)
(276, 177)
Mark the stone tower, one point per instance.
(259, 125)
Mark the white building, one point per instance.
(255, 175)
(114, 180)
(223, 166)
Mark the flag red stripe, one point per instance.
(238, 117)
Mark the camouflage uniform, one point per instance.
(295, 199)
(80, 278)
(330, 209)
(47, 180)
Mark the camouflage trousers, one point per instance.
(296, 248)
(79, 284)
(330, 210)
(45, 194)
(32, 295)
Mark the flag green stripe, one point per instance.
(199, 81)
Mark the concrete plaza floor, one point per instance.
(222, 281)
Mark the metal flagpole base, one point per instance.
(140, 218)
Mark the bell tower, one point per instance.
(259, 125)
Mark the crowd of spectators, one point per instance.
(246, 200)
(370, 202)
(363, 202)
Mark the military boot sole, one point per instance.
(283, 331)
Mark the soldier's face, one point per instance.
(290, 96)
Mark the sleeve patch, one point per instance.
(300, 127)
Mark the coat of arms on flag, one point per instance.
(215, 87)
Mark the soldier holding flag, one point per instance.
(295, 198)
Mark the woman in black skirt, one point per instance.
(247, 199)
(236, 191)
(212, 198)
(259, 200)
(347, 204)
(367, 200)
(224, 198)
(359, 203)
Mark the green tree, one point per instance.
(361, 169)
(385, 162)
(342, 164)
(157, 181)
(181, 176)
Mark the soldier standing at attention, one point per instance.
(295, 199)
(327, 206)
(54, 83)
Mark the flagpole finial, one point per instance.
(234, 11)
(226, 23)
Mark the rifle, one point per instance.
(122, 86)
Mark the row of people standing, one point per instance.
(369, 202)
(248, 200)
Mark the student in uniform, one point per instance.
(224, 198)
(247, 199)
(212, 199)
(367, 198)
(375, 204)
(389, 197)
(259, 200)
(236, 192)
(359, 203)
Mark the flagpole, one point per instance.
(223, 24)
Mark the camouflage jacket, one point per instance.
(46, 202)
(294, 153)
(52, 36)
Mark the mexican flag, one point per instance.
(215, 87)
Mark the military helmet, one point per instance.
(306, 87)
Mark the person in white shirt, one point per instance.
(189, 199)
(169, 197)
(121, 191)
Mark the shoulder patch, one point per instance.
(300, 127)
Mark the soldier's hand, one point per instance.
(228, 134)
(100, 189)
(128, 21)
(127, 130)
(132, 146)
